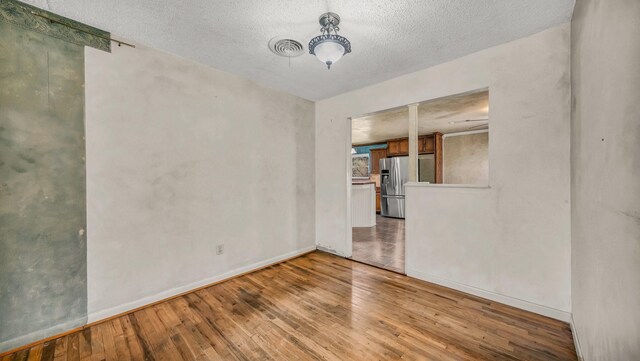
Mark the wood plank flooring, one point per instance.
(318, 307)
(380, 246)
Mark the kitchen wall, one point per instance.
(42, 186)
(605, 178)
(510, 241)
(465, 158)
(181, 158)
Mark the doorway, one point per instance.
(379, 170)
(380, 166)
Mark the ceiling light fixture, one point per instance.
(328, 47)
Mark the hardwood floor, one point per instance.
(380, 246)
(318, 307)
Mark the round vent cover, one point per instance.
(286, 47)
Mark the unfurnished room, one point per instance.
(319, 180)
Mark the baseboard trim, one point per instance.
(576, 341)
(179, 291)
(331, 250)
(507, 300)
(59, 329)
(115, 312)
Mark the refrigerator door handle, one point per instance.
(386, 196)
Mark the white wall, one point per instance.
(465, 158)
(181, 157)
(606, 178)
(512, 240)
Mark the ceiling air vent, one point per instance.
(287, 48)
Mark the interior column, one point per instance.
(413, 142)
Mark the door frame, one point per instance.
(348, 252)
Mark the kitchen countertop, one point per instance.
(359, 182)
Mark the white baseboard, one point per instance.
(102, 314)
(41, 334)
(332, 251)
(507, 300)
(576, 342)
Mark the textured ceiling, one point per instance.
(444, 115)
(389, 38)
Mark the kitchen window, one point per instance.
(360, 166)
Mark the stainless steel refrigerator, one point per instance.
(393, 176)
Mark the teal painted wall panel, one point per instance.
(43, 278)
(366, 149)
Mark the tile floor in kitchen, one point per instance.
(382, 245)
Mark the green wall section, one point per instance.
(32, 18)
(43, 280)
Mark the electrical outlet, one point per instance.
(220, 249)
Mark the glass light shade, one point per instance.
(329, 52)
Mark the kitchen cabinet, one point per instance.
(437, 144)
(404, 146)
(426, 144)
(393, 148)
(397, 147)
(363, 211)
(376, 155)
(400, 147)
(378, 208)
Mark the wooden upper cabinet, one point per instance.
(422, 144)
(426, 144)
(393, 148)
(437, 145)
(376, 155)
(400, 147)
(397, 147)
(404, 146)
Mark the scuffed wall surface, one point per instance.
(466, 159)
(42, 187)
(182, 157)
(521, 245)
(606, 178)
